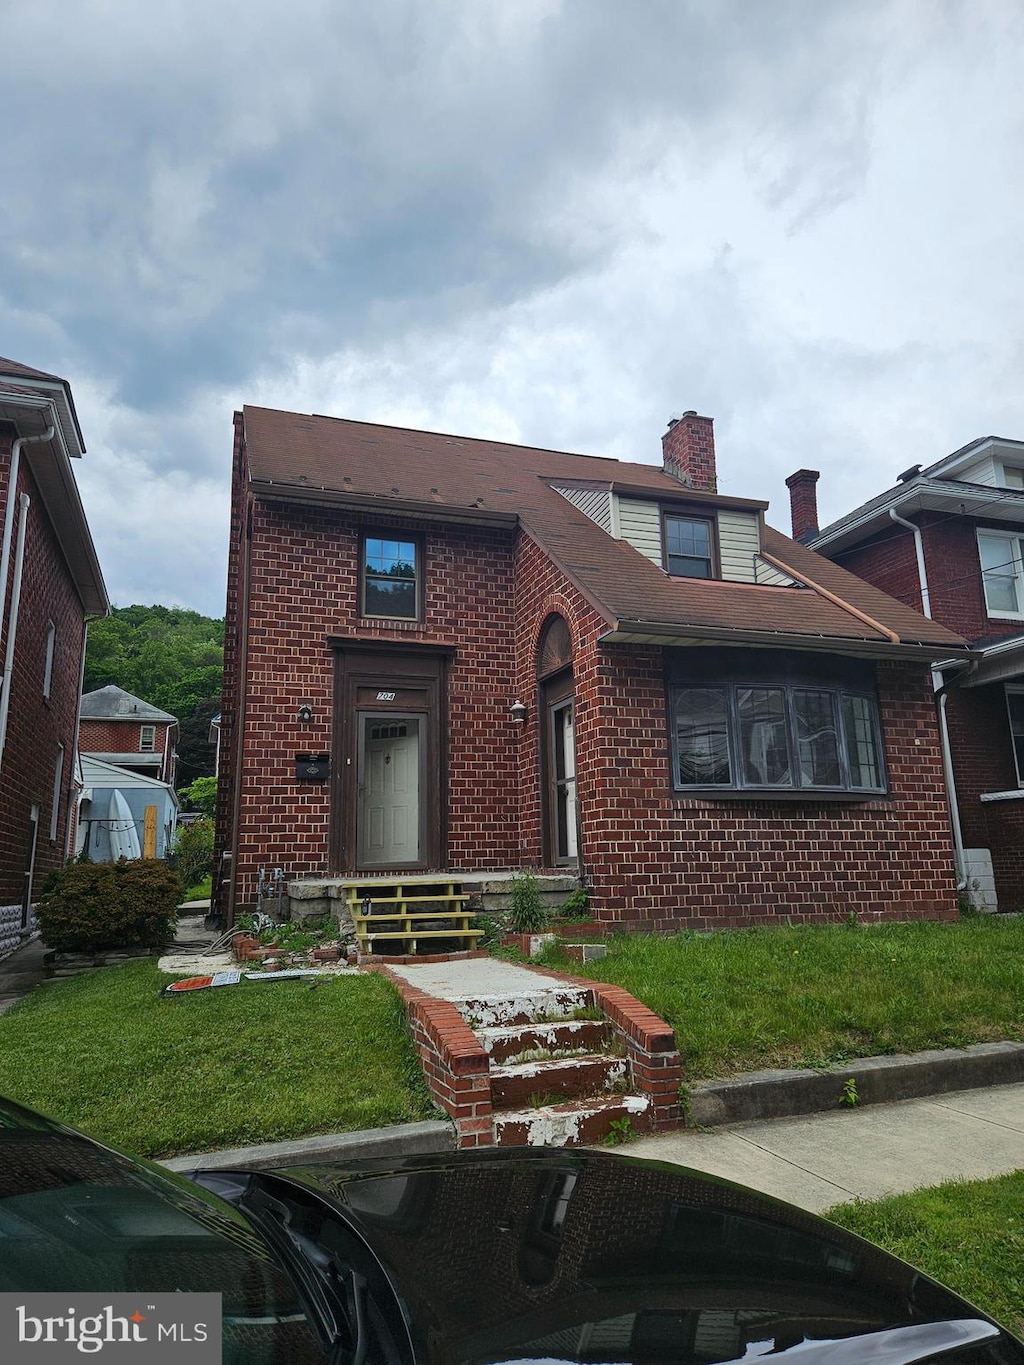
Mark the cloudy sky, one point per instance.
(549, 221)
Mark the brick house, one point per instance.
(949, 541)
(50, 585)
(128, 732)
(453, 654)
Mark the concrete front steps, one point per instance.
(556, 1079)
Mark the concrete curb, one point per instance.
(402, 1139)
(878, 1080)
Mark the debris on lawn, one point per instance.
(231, 977)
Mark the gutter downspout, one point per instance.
(24, 502)
(941, 692)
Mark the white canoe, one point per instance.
(124, 837)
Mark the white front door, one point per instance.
(389, 791)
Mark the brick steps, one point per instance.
(555, 1101)
(486, 1060)
(516, 1042)
(566, 1077)
(573, 1124)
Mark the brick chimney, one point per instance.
(688, 450)
(803, 503)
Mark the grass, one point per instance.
(257, 1062)
(811, 996)
(968, 1235)
(200, 892)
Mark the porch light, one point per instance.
(305, 714)
(518, 712)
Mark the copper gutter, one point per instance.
(832, 597)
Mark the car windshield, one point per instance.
(76, 1217)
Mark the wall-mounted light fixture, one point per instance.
(305, 714)
(518, 712)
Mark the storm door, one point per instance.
(558, 743)
(389, 818)
(389, 763)
(564, 837)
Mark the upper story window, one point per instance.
(1002, 572)
(147, 739)
(689, 546)
(391, 578)
(1012, 478)
(786, 724)
(51, 640)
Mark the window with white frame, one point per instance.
(51, 640)
(784, 723)
(1002, 572)
(147, 739)
(1012, 478)
(58, 786)
(1015, 707)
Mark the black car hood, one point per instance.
(561, 1255)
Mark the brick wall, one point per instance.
(654, 859)
(303, 589)
(661, 861)
(37, 725)
(119, 736)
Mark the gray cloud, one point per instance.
(553, 221)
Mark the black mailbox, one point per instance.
(312, 767)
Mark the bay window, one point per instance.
(789, 723)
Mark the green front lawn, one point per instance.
(256, 1062)
(968, 1235)
(809, 996)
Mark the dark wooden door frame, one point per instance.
(554, 691)
(418, 676)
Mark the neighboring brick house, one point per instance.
(447, 653)
(949, 540)
(126, 731)
(50, 585)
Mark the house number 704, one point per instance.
(386, 696)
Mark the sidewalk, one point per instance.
(819, 1160)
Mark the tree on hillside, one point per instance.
(170, 657)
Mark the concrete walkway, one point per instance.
(819, 1160)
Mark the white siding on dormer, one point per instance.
(596, 503)
(771, 576)
(739, 540)
(988, 471)
(640, 524)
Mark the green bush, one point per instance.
(192, 855)
(202, 795)
(89, 907)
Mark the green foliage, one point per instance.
(526, 913)
(620, 1130)
(89, 907)
(192, 856)
(848, 1095)
(202, 795)
(574, 907)
(256, 1062)
(824, 993)
(966, 1234)
(196, 755)
(168, 656)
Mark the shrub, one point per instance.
(526, 914)
(202, 795)
(192, 855)
(89, 907)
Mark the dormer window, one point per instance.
(689, 544)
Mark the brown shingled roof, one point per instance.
(16, 370)
(296, 455)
